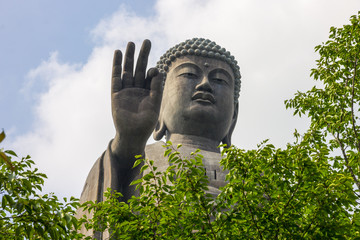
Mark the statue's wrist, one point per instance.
(126, 147)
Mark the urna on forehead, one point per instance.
(204, 48)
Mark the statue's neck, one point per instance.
(194, 141)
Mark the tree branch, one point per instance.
(251, 213)
(352, 105)
(347, 161)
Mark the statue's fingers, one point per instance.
(116, 82)
(152, 72)
(128, 79)
(142, 63)
(156, 88)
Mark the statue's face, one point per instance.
(198, 97)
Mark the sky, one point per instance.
(56, 56)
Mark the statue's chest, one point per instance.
(211, 163)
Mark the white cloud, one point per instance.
(272, 40)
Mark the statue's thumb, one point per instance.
(156, 87)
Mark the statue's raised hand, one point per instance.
(135, 99)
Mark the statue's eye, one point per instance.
(188, 75)
(219, 80)
(218, 77)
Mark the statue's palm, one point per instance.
(136, 98)
(135, 112)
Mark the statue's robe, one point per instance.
(106, 173)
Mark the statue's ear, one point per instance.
(227, 138)
(159, 130)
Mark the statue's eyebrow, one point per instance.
(187, 64)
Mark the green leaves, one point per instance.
(172, 204)
(287, 190)
(2, 136)
(291, 193)
(334, 109)
(334, 113)
(23, 211)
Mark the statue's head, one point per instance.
(201, 91)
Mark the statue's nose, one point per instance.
(204, 85)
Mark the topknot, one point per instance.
(204, 48)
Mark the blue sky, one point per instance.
(31, 30)
(55, 63)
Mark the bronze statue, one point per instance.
(196, 106)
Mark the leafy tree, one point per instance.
(24, 214)
(172, 204)
(308, 190)
(271, 194)
(334, 109)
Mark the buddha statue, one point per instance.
(190, 97)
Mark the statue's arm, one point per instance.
(135, 100)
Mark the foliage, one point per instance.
(172, 204)
(271, 194)
(308, 190)
(290, 193)
(334, 109)
(24, 214)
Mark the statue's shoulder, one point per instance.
(155, 149)
(155, 152)
(93, 184)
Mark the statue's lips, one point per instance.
(203, 97)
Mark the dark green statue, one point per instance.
(190, 97)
